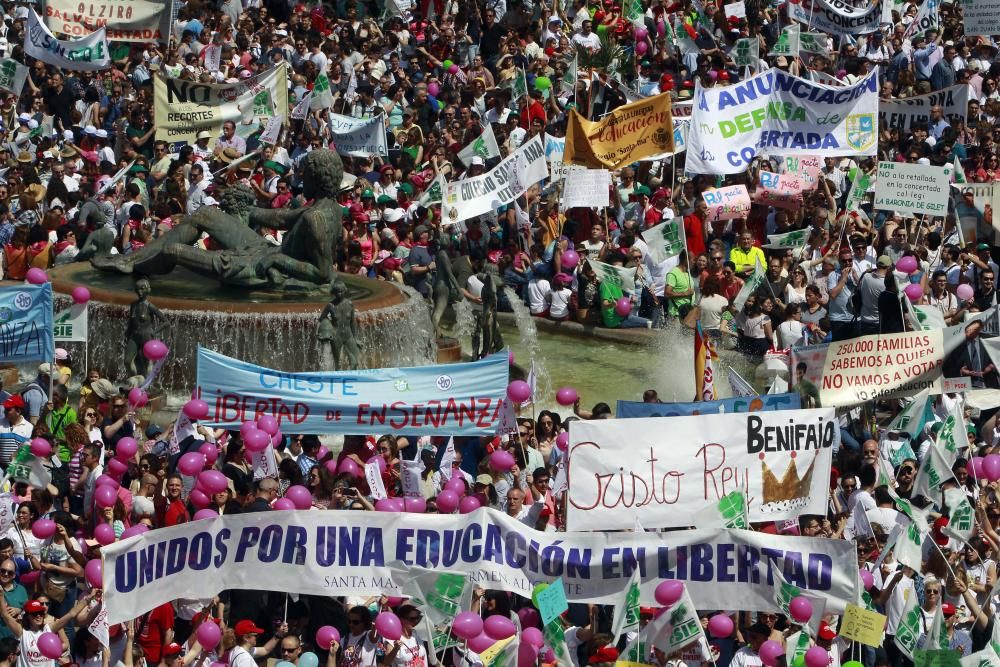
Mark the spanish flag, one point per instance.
(704, 365)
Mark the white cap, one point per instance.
(68, 135)
(281, 33)
(32, 124)
(90, 130)
(477, 161)
(924, 161)
(392, 215)
(102, 134)
(24, 117)
(555, 19)
(211, 201)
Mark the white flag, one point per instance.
(753, 282)
(484, 146)
(373, 474)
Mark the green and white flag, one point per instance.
(912, 418)
(484, 146)
(961, 516)
(986, 658)
(937, 635)
(953, 439)
(439, 595)
(670, 631)
(814, 43)
(927, 318)
(730, 512)
(908, 630)
(301, 109)
(860, 184)
(616, 275)
(433, 195)
(666, 240)
(555, 638)
(12, 75)
(746, 52)
(934, 471)
(958, 173)
(626, 614)
(796, 645)
(753, 283)
(907, 540)
(790, 240)
(322, 98)
(518, 85)
(568, 82)
(785, 592)
(788, 42)
(633, 11)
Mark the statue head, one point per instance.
(237, 200)
(142, 288)
(338, 289)
(322, 172)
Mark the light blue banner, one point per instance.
(26, 323)
(445, 399)
(765, 403)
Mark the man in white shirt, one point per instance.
(587, 39)
(245, 652)
(747, 656)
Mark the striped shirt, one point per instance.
(12, 437)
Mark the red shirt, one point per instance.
(152, 629)
(532, 111)
(176, 514)
(694, 231)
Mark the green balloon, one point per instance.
(542, 83)
(852, 663)
(446, 64)
(800, 661)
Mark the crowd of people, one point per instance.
(439, 74)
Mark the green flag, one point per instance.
(666, 240)
(626, 614)
(961, 516)
(730, 512)
(484, 146)
(860, 184)
(788, 42)
(908, 630)
(791, 240)
(322, 98)
(911, 419)
(746, 52)
(434, 194)
(785, 592)
(958, 174)
(518, 85)
(753, 283)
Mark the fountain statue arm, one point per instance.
(275, 218)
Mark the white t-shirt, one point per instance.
(711, 311)
(745, 657)
(358, 650)
(897, 601)
(411, 654)
(559, 302)
(538, 292)
(28, 654)
(240, 657)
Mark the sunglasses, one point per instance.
(8, 573)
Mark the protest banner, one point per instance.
(886, 366)
(981, 17)
(666, 240)
(775, 113)
(12, 75)
(184, 108)
(627, 134)
(358, 137)
(927, 19)
(124, 20)
(586, 187)
(808, 168)
(510, 179)
(787, 43)
(787, 241)
(26, 323)
(554, 148)
(824, 78)
(732, 201)
(442, 399)
(736, 10)
(661, 470)
(912, 188)
(272, 131)
(763, 403)
(814, 43)
(778, 190)
(370, 553)
(619, 275)
(837, 17)
(89, 53)
(70, 324)
(912, 112)
(745, 53)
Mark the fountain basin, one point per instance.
(275, 329)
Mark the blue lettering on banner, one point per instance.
(26, 327)
(764, 403)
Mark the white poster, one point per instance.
(661, 470)
(273, 130)
(837, 17)
(359, 137)
(913, 188)
(981, 17)
(373, 475)
(508, 180)
(911, 112)
(70, 325)
(88, 53)
(12, 75)
(264, 464)
(124, 20)
(775, 113)
(586, 187)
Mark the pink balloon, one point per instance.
(623, 306)
(325, 636)
(31, 578)
(191, 463)
(208, 634)
(549, 655)
(196, 409)
(210, 452)
(668, 592)
(385, 505)
(137, 397)
(349, 467)
(641, 48)
(80, 294)
(199, 498)
(105, 496)
(913, 292)
(453, 69)
(256, 440)
(468, 504)
(769, 652)
(562, 440)
(154, 350)
(569, 259)
(447, 501)
(502, 460)
(433, 89)
(510, 357)
(246, 427)
(641, 34)
(37, 276)
(457, 485)
(43, 529)
(661, 28)
(268, 424)
(213, 481)
(867, 579)
(40, 447)
(387, 624)
(720, 626)
(321, 453)
(49, 644)
(94, 571)
(965, 292)
(378, 461)
(566, 396)
(976, 464)
(283, 504)
(126, 448)
(800, 608)
(414, 505)
(991, 467)
(108, 480)
(518, 391)
(116, 467)
(137, 529)
(817, 656)
(499, 627)
(394, 600)
(467, 625)
(104, 534)
(481, 642)
(907, 264)
(300, 496)
(533, 636)
(529, 618)
(527, 655)
(277, 437)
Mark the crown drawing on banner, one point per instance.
(790, 491)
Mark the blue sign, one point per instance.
(26, 323)
(445, 399)
(764, 403)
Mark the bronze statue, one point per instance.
(146, 322)
(337, 332)
(445, 290)
(487, 327)
(304, 260)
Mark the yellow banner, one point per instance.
(862, 625)
(490, 655)
(632, 132)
